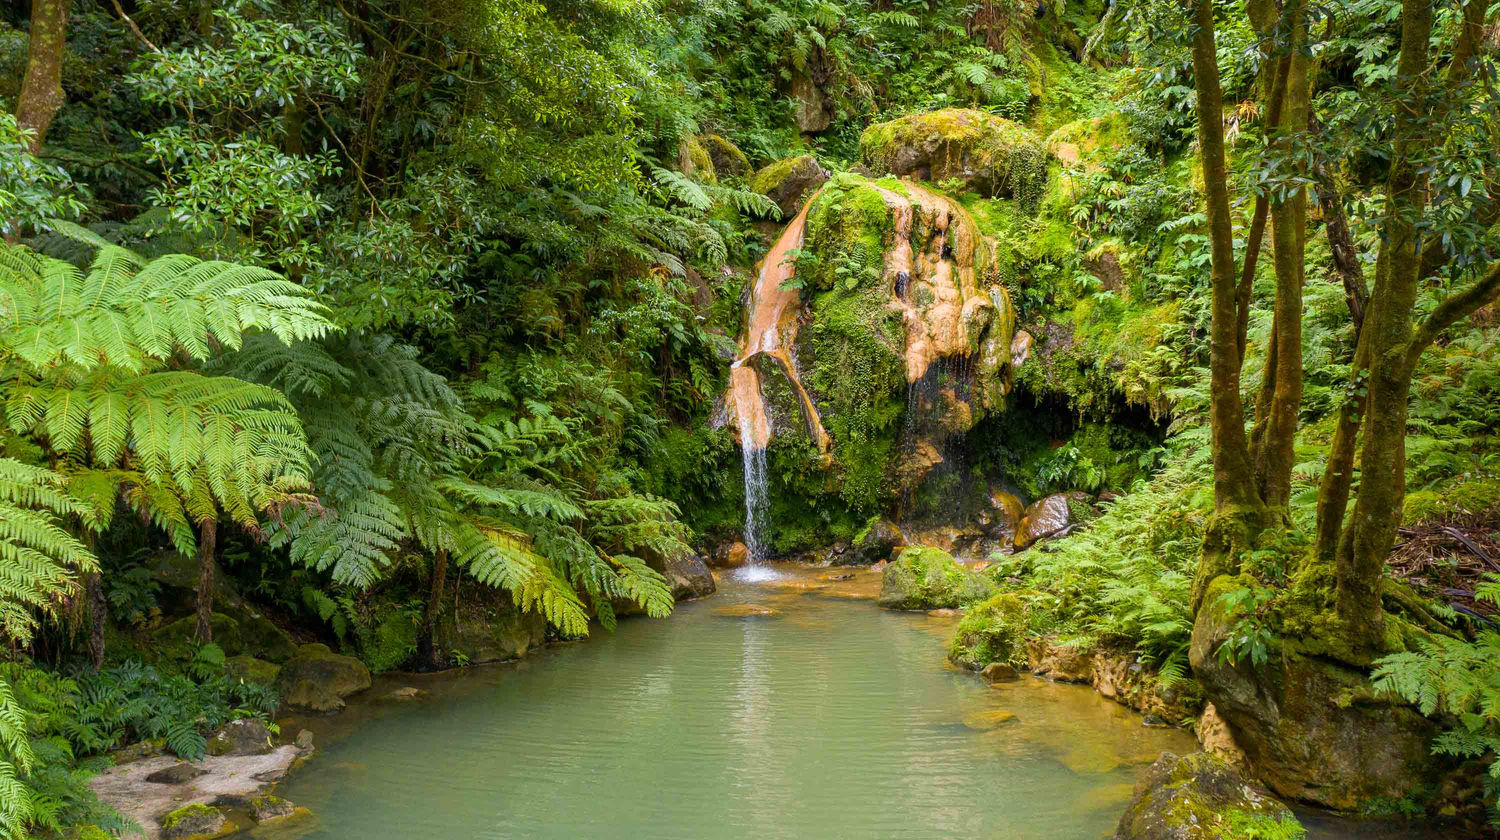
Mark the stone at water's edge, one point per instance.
(998, 672)
(1044, 518)
(197, 820)
(241, 737)
(270, 807)
(876, 543)
(746, 611)
(1213, 733)
(737, 556)
(319, 679)
(688, 576)
(924, 578)
(1312, 729)
(1199, 797)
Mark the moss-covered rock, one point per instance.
(241, 737)
(252, 632)
(319, 679)
(992, 631)
(728, 161)
(694, 161)
(924, 578)
(251, 670)
(789, 182)
(1199, 797)
(1312, 729)
(876, 542)
(270, 807)
(991, 155)
(195, 821)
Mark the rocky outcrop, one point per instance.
(241, 737)
(1312, 729)
(1117, 675)
(813, 116)
(244, 628)
(489, 627)
(141, 791)
(1199, 797)
(789, 182)
(1214, 735)
(991, 155)
(318, 679)
(925, 578)
(1045, 517)
(875, 543)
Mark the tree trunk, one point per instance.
(98, 618)
(1238, 511)
(41, 89)
(207, 544)
(1388, 335)
(428, 650)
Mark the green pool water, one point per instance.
(832, 719)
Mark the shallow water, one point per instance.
(830, 719)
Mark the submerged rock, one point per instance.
(1199, 797)
(746, 611)
(988, 719)
(789, 182)
(319, 679)
(999, 672)
(1044, 518)
(876, 542)
(197, 820)
(270, 807)
(924, 578)
(991, 155)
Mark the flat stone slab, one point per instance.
(125, 788)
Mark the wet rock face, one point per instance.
(1312, 729)
(319, 679)
(876, 543)
(991, 155)
(925, 578)
(789, 182)
(1044, 518)
(1199, 797)
(813, 115)
(688, 576)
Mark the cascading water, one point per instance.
(771, 304)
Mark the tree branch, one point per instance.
(1453, 309)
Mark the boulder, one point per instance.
(737, 556)
(813, 114)
(319, 679)
(270, 807)
(1002, 512)
(991, 155)
(1214, 735)
(1059, 662)
(1043, 518)
(876, 542)
(924, 578)
(728, 161)
(1199, 797)
(197, 820)
(789, 182)
(1312, 729)
(241, 737)
(993, 633)
(999, 672)
(251, 670)
(687, 574)
(176, 774)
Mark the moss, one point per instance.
(727, 159)
(694, 162)
(771, 176)
(992, 631)
(924, 578)
(185, 819)
(991, 155)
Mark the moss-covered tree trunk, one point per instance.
(1238, 510)
(98, 610)
(208, 533)
(41, 89)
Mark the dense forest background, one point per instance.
(358, 302)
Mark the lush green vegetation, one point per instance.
(368, 308)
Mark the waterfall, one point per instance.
(754, 460)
